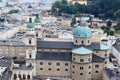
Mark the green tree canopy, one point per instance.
(13, 11)
(100, 8)
(117, 27)
(109, 23)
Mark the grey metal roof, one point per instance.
(64, 45)
(54, 56)
(11, 42)
(55, 45)
(62, 56)
(94, 46)
(96, 58)
(5, 62)
(117, 45)
(112, 74)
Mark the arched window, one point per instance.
(37, 34)
(15, 76)
(82, 42)
(29, 41)
(76, 41)
(19, 75)
(30, 56)
(24, 77)
(28, 76)
(88, 41)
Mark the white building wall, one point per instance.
(116, 54)
(2, 69)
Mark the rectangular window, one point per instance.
(66, 64)
(81, 68)
(96, 66)
(37, 34)
(41, 68)
(41, 63)
(66, 69)
(81, 60)
(89, 59)
(105, 55)
(58, 64)
(89, 67)
(29, 41)
(49, 63)
(73, 66)
(30, 56)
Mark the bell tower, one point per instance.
(38, 27)
(30, 42)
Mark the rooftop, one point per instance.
(67, 45)
(54, 56)
(103, 47)
(82, 50)
(112, 74)
(117, 45)
(13, 42)
(5, 62)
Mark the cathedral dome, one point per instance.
(82, 32)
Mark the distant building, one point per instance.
(78, 1)
(116, 50)
(111, 74)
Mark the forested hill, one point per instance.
(102, 8)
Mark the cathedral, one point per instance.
(33, 57)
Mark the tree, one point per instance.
(117, 14)
(117, 27)
(56, 4)
(64, 2)
(72, 9)
(109, 23)
(13, 11)
(100, 8)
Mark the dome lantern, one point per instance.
(37, 19)
(30, 24)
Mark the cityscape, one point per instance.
(59, 39)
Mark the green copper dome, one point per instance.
(82, 32)
(30, 24)
(37, 19)
(81, 51)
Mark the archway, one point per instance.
(19, 75)
(28, 77)
(24, 77)
(15, 76)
